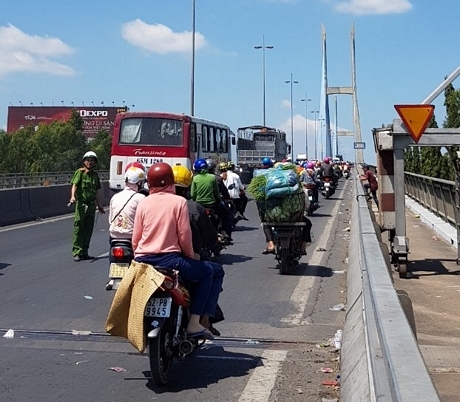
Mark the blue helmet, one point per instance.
(199, 165)
(266, 161)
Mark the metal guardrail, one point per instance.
(436, 195)
(17, 180)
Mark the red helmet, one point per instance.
(135, 165)
(160, 175)
(326, 159)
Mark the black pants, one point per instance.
(243, 203)
(306, 230)
(225, 216)
(373, 193)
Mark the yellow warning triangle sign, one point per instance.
(415, 118)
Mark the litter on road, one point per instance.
(9, 334)
(338, 307)
(117, 369)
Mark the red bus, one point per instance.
(177, 139)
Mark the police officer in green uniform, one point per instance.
(84, 193)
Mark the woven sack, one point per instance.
(126, 314)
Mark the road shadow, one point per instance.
(240, 228)
(3, 265)
(430, 267)
(230, 259)
(205, 368)
(304, 269)
(319, 215)
(105, 257)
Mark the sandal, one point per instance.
(268, 251)
(203, 334)
(213, 331)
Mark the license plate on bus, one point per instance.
(158, 307)
(117, 270)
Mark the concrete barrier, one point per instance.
(355, 370)
(11, 207)
(49, 201)
(27, 204)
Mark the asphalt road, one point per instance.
(268, 350)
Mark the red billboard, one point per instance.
(94, 118)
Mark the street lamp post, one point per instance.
(192, 80)
(306, 100)
(292, 118)
(316, 141)
(263, 47)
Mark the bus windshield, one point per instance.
(151, 131)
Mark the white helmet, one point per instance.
(90, 154)
(135, 175)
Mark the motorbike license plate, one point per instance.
(310, 198)
(158, 307)
(117, 270)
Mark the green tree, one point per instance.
(18, 157)
(452, 104)
(408, 159)
(4, 148)
(416, 160)
(102, 145)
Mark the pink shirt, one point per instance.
(162, 225)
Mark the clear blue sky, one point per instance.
(140, 52)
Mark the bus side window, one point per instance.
(219, 140)
(204, 138)
(192, 137)
(224, 141)
(212, 139)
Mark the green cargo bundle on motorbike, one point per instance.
(280, 199)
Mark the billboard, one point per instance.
(94, 118)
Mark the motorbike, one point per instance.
(236, 216)
(328, 187)
(346, 174)
(166, 317)
(313, 206)
(121, 254)
(222, 243)
(287, 237)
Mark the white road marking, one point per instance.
(34, 223)
(263, 378)
(302, 291)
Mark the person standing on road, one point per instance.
(84, 194)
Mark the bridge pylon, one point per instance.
(343, 90)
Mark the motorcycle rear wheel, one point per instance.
(161, 354)
(284, 261)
